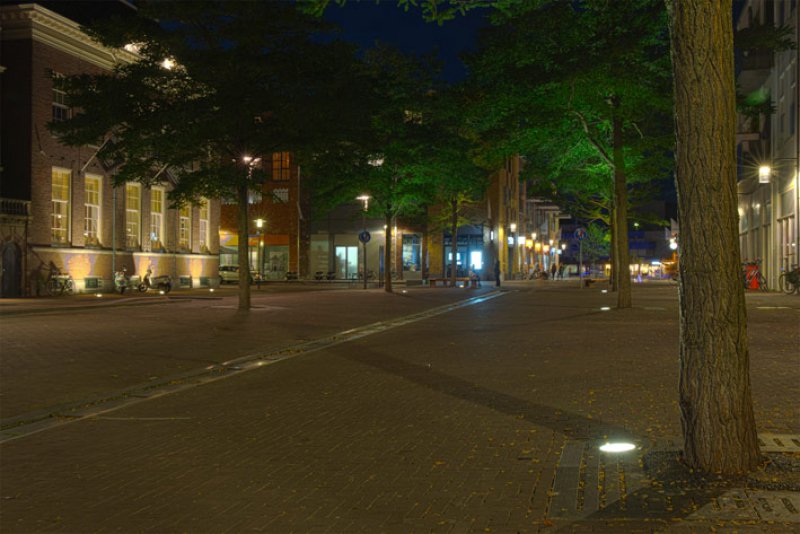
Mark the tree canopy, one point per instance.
(217, 87)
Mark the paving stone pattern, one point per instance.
(484, 419)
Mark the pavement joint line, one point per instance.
(32, 423)
(141, 301)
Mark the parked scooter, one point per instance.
(122, 281)
(160, 283)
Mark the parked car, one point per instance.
(229, 274)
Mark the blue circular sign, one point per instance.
(580, 233)
(364, 236)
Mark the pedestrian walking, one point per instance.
(497, 273)
(561, 271)
(553, 271)
(473, 276)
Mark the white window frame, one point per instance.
(157, 216)
(60, 206)
(93, 209)
(60, 110)
(133, 215)
(205, 227)
(185, 227)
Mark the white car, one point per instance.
(229, 274)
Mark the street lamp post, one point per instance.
(260, 252)
(364, 237)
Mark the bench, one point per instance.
(445, 282)
(587, 282)
(291, 275)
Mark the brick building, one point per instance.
(60, 209)
(276, 223)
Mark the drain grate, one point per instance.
(588, 481)
(779, 442)
(752, 505)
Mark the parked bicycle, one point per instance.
(752, 276)
(60, 284)
(789, 281)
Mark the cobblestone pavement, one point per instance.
(482, 419)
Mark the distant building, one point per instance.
(59, 210)
(768, 146)
(279, 245)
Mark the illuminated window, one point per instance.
(185, 227)
(280, 166)
(157, 217)
(59, 221)
(133, 214)
(205, 235)
(61, 110)
(91, 226)
(280, 196)
(411, 252)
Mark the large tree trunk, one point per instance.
(244, 253)
(387, 254)
(716, 406)
(423, 261)
(454, 241)
(613, 249)
(622, 265)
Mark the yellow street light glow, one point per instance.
(533, 235)
(617, 447)
(764, 173)
(259, 223)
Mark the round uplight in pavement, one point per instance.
(605, 308)
(619, 446)
(604, 291)
(161, 292)
(98, 295)
(211, 290)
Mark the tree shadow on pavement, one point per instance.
(570, 424)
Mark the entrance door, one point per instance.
(346, 262)
(276, 259)
(11, 274)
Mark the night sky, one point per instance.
(366, 22)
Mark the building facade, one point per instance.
(769, 145)
(62, 213)
(278, 240)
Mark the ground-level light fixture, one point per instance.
(605, 308)
(98, 295)
(619, 446)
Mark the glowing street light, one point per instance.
(764, 174)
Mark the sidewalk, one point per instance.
(365, 412)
